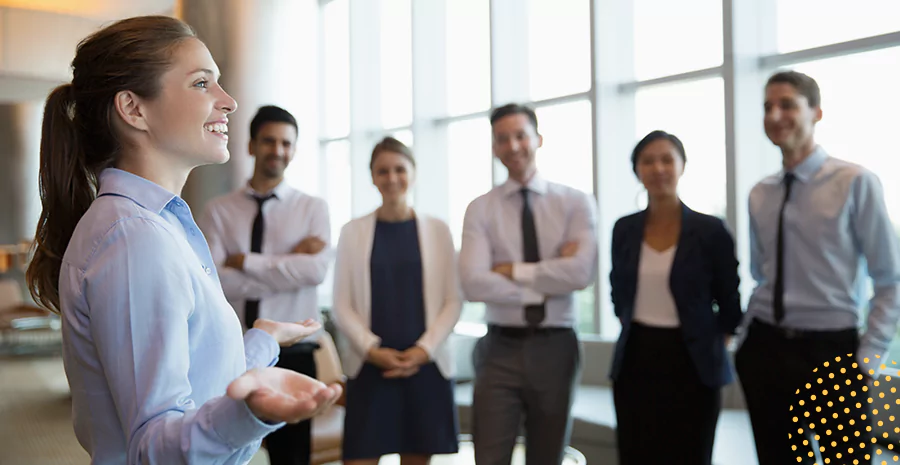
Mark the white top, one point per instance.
(284, 282)
(654, 304)
(492, 234)
(353, 291)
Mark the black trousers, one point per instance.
(291, 444)
(790, 404)
(664, 413)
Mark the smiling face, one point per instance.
(188, 120)
(392, 174)
(273, 147)
(659, 167)
(789, 119)
(515, 144)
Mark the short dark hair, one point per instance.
(514, 109)
(805, 85)
(271, 114)
(389, 144)
(653, 137)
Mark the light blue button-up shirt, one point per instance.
(149, 342)
(836, 231)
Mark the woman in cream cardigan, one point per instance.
(396, 300)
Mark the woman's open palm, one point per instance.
(275, 394)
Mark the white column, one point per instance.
(365, 100)
(749, 33)
(429, 103)
(20, 131)
(616, 186)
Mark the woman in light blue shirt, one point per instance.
(152, 350)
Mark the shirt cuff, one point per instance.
(531, 297)
(253, 263)
(260, 349)
(237, 425)
(524, 273)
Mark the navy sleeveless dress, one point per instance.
(415, 415)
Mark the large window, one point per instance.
(396, 63)
(676, 37)
(806, 24)
(336, 69)
(694, 112)
(469, 170)
(468, 60)
(559, 47)
(600, 74)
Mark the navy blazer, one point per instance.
(703, 281)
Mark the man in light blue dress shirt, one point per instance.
(818, 228)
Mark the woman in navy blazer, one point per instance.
(674, 284)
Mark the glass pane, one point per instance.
(811, 23)
(567, 156)
(469, 168)
(337, 69)
(695, 112)
(396, 63)
(468, 56)
(559, 47)
(861, 127)
(676, 37)
(336, 159)
(338, 192)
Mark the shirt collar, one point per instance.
(536, 184)
(141, 191)
(809, 167)
(278, 192)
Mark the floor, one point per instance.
(35, 415)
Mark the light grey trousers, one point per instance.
(529, 380)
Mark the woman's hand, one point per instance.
(385, 358)
(410, 361)
(275, 394)
(288, 334)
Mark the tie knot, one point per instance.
(524, 192)
(789, 178)
(262, 200)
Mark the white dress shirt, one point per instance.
(492, 234)
(653, 301)
(284, 282)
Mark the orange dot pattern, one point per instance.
(816, 415)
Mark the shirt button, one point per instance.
(193, 231)
(207, 269)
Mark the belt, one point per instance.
(522, 332)
(793, 333)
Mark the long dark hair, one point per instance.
(78, 139)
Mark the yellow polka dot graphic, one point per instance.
(835, 411)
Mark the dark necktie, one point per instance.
(251, 308)
(778, 292)
(534, 314)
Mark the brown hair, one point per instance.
(805, 85)
(389, 144)
(78, 139)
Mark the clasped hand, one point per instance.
(398, 364)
